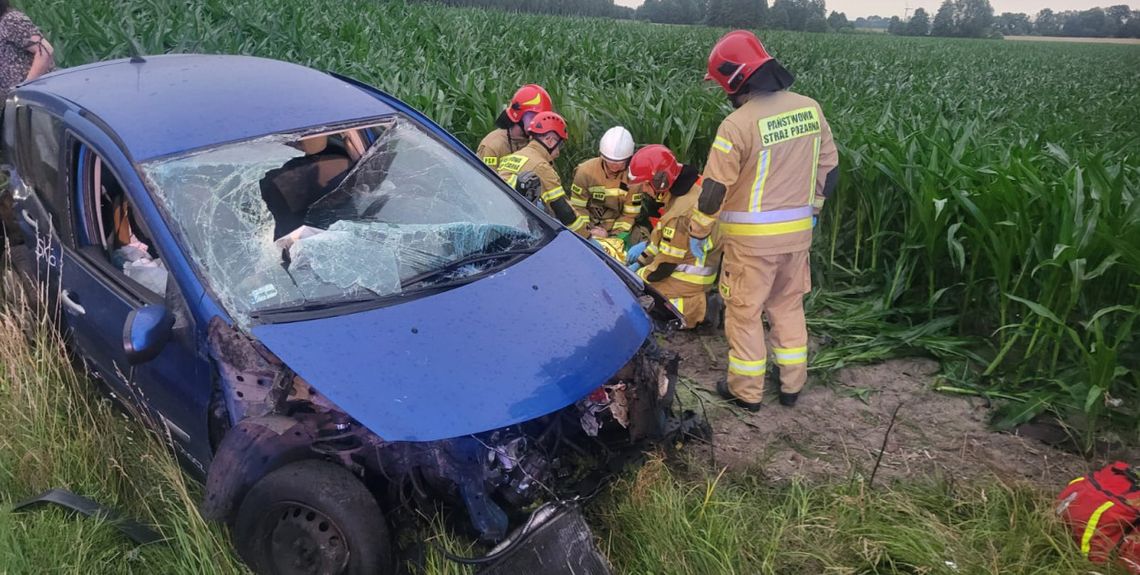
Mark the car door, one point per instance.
(116, 268)
(31, 142)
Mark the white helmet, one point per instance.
(616, 144)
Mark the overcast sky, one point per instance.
(888, 8)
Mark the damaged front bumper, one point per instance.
(278, 418)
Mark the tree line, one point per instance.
(976, 19)
(802, 15)
(954, 18)
(594, 8)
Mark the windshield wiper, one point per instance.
(312, 306)
(469, 260)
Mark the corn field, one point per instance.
(987, 212)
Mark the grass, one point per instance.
(60, 431)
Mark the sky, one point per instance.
(888, 8)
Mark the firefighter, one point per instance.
(771, 166)
(601, 190)
(510, 135)
(535, 162)
(668, 262)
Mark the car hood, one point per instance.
(518, 344)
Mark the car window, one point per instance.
(9, 128)
(318, 220)
(35, 136)
(110, 228)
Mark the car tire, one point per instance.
(312, 517)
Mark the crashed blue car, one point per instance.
(323, 299)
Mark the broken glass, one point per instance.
(410, 205)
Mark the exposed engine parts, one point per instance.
(278, 418)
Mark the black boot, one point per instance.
(722, 390)
(789, 399)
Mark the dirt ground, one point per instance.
(836, 430)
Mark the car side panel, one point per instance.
(172, 391)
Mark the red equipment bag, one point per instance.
(1103, 511)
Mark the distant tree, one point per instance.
(1013, 24)
(838, 22)
(871, 23)
(944, 20)
(714, 12)
(1131, 28)
(801, 11)
(778, 17)
(896, 26)
(975, 18)
(1092, 23)
(1117, 16)
(919, 24)
(964, 18)
(753, 13)
(1047, 24)
(816, 23)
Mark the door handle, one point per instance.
(29, 219)
(71, 304)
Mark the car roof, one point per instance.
(175, 103)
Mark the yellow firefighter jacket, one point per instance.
(535, 158)
(669, 244)
(606, 200)
(496, 145)
(772, 154)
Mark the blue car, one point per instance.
(323, 299)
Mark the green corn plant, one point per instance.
(977, 177)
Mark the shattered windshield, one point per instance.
(307, 221)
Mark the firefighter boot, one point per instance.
(722, 390)
(786, 399)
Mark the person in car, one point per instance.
(288, 191)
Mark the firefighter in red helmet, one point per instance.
(668, 262)
(535, 162)
(772, 165)
(510, 134)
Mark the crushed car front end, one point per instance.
(409, 319)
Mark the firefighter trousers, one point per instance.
(751, 286)
(687, 297)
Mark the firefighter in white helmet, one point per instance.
(601, 191)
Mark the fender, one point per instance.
(250, 450)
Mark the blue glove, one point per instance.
(634, 252)
(697, 247)
(634, 267)
(814, 221)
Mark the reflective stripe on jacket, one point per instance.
(496, 145)
(772, 154)
(608, 201)
(669, 244)
(535, 158)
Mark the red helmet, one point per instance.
(529, 98)
(546, 122)
(734, 58)
(656, 164)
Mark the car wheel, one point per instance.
(312, 517)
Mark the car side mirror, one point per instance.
(146, 332)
